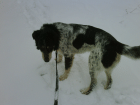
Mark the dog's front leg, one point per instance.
(68, 65)
(60, 56)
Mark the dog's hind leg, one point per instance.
(94, 69)
(68, 65)
(109, 66)
(109, 79)
(91, 86)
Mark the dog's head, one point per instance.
(47, 40)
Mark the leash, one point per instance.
(56, 85)
(57, 82)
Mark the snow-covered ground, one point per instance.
(21, 64)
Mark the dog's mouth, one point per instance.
(47, 57)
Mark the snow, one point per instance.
(21, 65)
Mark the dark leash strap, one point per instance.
(57, 82)
(57, 85)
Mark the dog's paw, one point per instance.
(85, 91)
(107, 87)
(63, 77)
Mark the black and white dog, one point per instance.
(71, 39)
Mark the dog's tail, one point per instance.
(132, 52)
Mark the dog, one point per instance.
(70, 39)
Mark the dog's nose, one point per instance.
(46, 60)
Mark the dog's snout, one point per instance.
(46, 60)
(46, 57)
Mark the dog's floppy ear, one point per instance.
(79, 41)
(35, 34)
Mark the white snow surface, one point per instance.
(21, 64)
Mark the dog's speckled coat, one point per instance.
(71, 39)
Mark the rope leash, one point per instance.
(56, 85)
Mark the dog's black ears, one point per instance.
(79, 41)
(35, 34)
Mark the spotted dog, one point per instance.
(71, 39)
